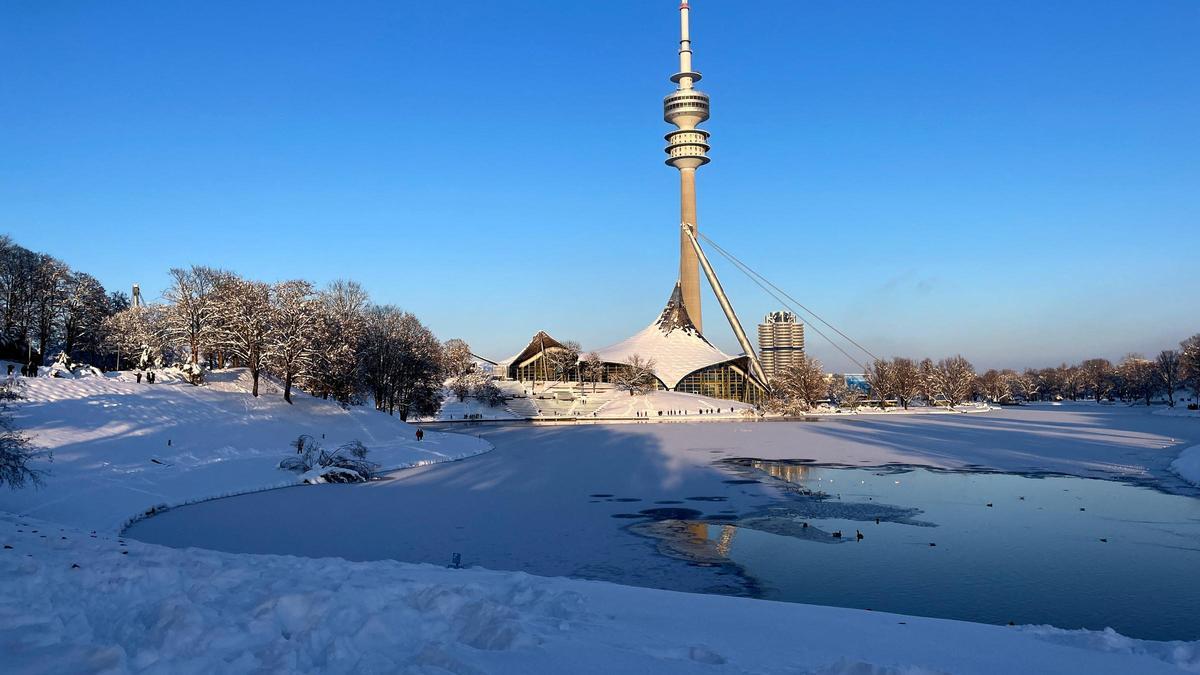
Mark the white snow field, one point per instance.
(131, 607)
(120, 447)
(134, 607)
(1188, 465)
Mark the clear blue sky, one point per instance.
(1016, 181)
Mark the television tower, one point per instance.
(687, 148)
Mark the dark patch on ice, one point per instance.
(598, 496)
(627, 516)
(626, 499)
(669, 501)
(671, 514)
(708, 499)
(741, 481)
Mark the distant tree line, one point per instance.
(331, 342)
(952, 381)
(46, 308)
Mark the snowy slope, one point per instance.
(1188, 465)
(121, 447)
(131, 607)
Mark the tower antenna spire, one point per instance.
(687, 150)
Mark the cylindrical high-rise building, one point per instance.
(687, 150)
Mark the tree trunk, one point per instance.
(287, 387)
(254, 374)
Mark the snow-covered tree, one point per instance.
(1168, 368)
(880, 380)
(564, 361)
(928, 382)
(190, 317)
(241, 322)
(340, 326)
(1070, 380)
(291, 324)
(592, 367)
(1097, 377)
(955, 378)
(798, 388)
(488, 392)
(403, 363)
(459, 360)
(1189, 351)
(842, 394)
(905, 380)
(1138, 378)
(636, 375)
(136, 334)
(16, 448)
(1028, 384)
(84, 307)
(997, 385)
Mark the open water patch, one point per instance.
(987, 547)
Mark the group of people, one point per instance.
(27, 370)
(149, 377)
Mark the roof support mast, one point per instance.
(726, 307)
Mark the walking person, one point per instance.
(139, 377)
(420, 434)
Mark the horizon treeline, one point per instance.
(332, 342)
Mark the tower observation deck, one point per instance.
(687, 150)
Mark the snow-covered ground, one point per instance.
(120, 447)
(73, 602)
(142, 607)
(1187, 465)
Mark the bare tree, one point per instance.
(1168, 367)
(955, 379)
(291, 321)
(340, 325)
(636, 375)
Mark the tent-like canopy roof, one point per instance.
(541, 341)
(673, 342)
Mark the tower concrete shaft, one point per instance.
(687, 150)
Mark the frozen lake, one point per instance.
(572, 502)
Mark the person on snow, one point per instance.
(420, 434)
(139, 377)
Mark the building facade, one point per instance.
(780, 342)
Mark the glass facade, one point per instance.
(722, 381)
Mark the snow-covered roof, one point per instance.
(538, 343)
(677, 347)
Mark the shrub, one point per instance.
(346, 464)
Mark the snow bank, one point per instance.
(1187, 465)
(75, 602)
(122, 447)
